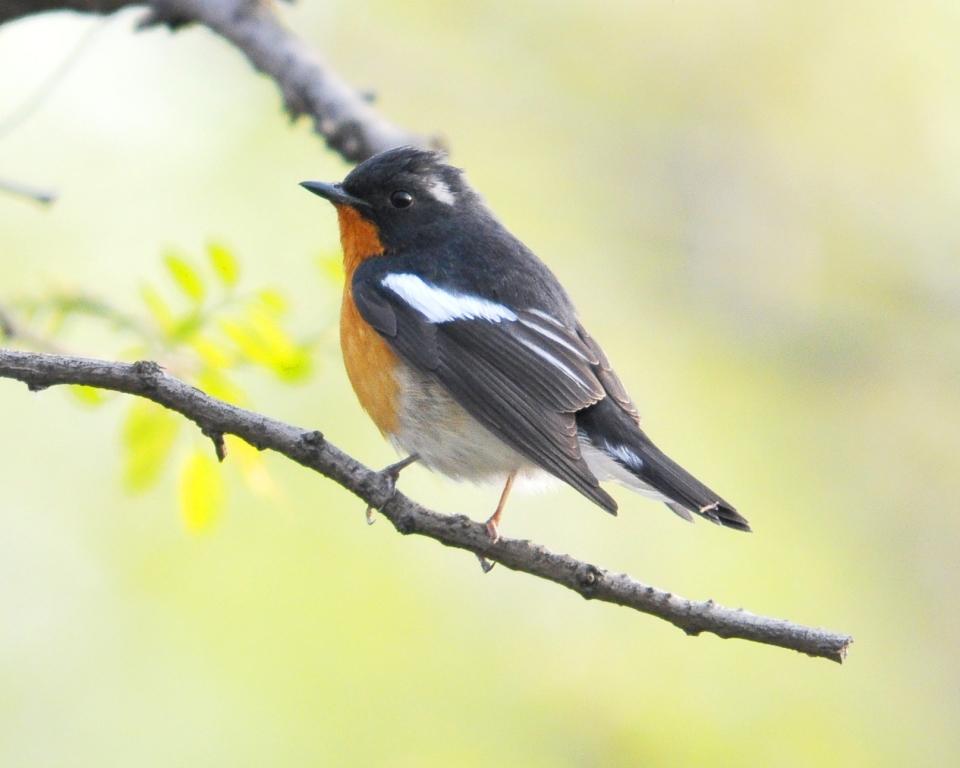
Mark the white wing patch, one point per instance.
(555, 362)
(441, 192)
(438, 305)
(553, 336)
(544, 316)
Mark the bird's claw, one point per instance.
(493, 533)
(392, 473)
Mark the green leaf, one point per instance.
(211, 353)
(215, 383)
(89, 396)
(253, 468)
(224, 264)
(159, 310)
(149, 433)
(287, 359)
(273, 301)
(185, 276)
(263, 341)
(202, 492)
(248, 345)
(185, 328)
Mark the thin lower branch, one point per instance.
(341, 114)
(42, 196)
(310, 449)
(11, 330)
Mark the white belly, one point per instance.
(448, 439)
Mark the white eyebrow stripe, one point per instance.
(551, 335)
(555, 361)
(439, 305)
(441, 192)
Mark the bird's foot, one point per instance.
(392, 472)
(493, 524)
(709, 511)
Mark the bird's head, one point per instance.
(408, 195)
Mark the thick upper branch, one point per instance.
(310, 449)
(15, 9)
(341, 115)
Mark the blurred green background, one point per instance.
(754, 206)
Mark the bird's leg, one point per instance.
(393, 472)
(493, 524)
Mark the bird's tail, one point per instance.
(617, 449)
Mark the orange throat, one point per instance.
(368, 358)
(359, 238)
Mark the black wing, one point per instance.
(523, 376)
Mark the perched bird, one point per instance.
(468, 354)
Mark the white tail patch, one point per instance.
(605, 467)
(439, 305)
(627, 456)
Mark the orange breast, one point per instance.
(368, 358)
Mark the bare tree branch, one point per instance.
(15, 9)
(344, 118)
(42, 196)
(310, 448)
(341, 114)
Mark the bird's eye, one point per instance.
(401, 199)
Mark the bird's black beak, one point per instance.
(334, 193)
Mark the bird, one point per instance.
(470, 357)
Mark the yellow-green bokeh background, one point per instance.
(754, 205)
